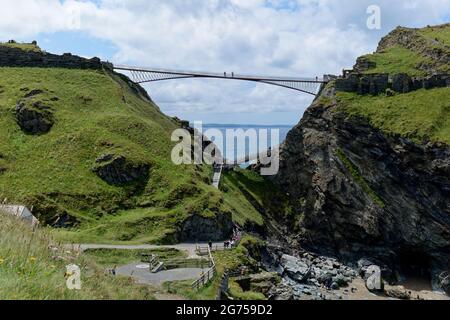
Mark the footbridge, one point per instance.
(311, 86)
(146, 75)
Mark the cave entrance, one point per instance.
(414, 269)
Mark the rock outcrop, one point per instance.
(34, 117)
(118, 170)
(437, 52)
(362, 193)
(199, 228)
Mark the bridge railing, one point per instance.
(218, 75)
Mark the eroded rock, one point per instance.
(118, 170)
(398, 292)
(34, 117)
(199, 228)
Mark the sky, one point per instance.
(301, 38)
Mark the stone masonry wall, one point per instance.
(15, 57)
(376, 84)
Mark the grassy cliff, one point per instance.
(98, 114)
(422, 115)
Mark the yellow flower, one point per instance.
(2, 260)
(32, 259)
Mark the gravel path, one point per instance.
(190, 248)
(144, 276)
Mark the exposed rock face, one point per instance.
(364, 194)
(15, 57)
(34, 117)
(199, 228)
(117, 170)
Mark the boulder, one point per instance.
(34, 117)
(398, 292)
(444, 282)
(295, 268)
(341, 280)
(263, 282)
(118, 170)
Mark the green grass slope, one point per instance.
(419, 115)
(96, 113)
(252, 198)
(422, 115)
(33, 267)
(413, 51)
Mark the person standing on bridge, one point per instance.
(232, 74)
(225, 74)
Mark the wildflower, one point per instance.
(32, 259)
(2, 260)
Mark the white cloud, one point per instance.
(285, 37)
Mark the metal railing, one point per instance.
(205, 250)
(207, 276)
(187, 263)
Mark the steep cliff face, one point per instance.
(370, 176)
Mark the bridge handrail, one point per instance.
(220, 75)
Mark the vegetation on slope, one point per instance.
(397, 60)
(252, 198)
(98, 113)
(419, 115)
(422, 115)
(23, 46)
(33, 267)
(418, 57)
(437, 33)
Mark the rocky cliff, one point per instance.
(370, 178)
